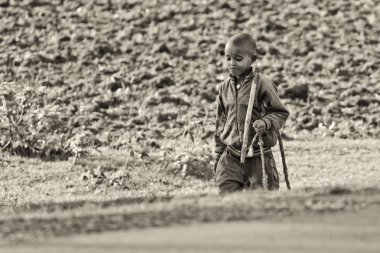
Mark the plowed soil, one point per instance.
(140, 79)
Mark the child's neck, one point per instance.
(242, 76)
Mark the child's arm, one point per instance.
(219, 125)
(275, 112)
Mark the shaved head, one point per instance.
(242, 42)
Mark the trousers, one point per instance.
(231, 175)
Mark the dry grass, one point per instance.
(312, 164)
(330, 162)
(326, 175)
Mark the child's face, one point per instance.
(238, 61)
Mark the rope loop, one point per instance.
(259, 139)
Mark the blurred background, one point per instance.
(117, 73)
(118, 98)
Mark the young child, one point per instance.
(268, 116)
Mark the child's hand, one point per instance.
(260, 126)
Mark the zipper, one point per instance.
(237, 111)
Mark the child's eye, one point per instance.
(228, 58)
(239, 59)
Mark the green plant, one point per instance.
(29, 125)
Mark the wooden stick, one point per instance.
(285, 167)
(247, 123)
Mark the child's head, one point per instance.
(240, 53)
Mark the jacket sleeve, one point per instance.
(219, 126)
(275, 112)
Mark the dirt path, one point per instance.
(356, 231)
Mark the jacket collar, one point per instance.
(249, 76)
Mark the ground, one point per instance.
(332, 181)
(107, 114)
(336, 232)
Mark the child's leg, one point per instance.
(230, 186)
(253, 169)
(229, 173)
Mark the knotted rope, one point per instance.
(265, 176)
(262, 157)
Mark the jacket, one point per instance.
(232, 106)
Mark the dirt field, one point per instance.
(107, 117)
(136, 74)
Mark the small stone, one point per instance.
(137, 121)
(300, 91)
(363, 102)
(4, 3)
(114, 86)
(164, 117)
(161, 48)
(162, 81)
(208, 96)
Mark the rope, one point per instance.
(264, 175)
